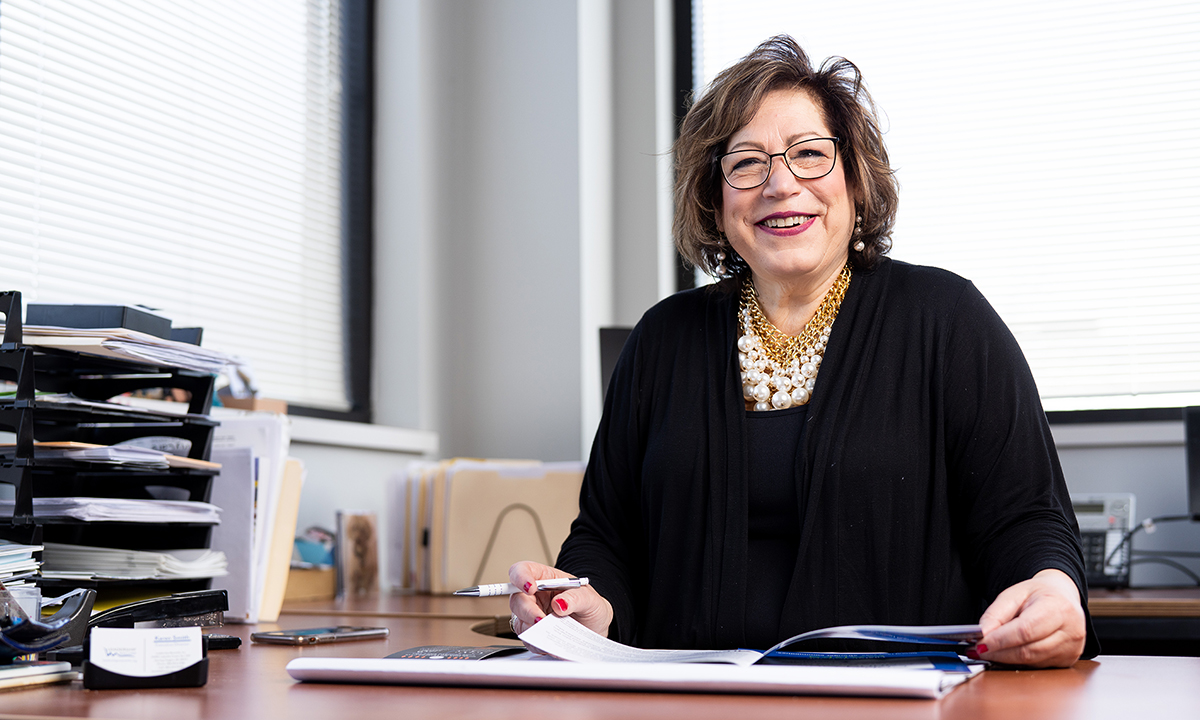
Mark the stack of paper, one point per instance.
(17, 566)
(458, 523)
(129, 455)
(259, 491)
(92, 509)
(120, 404)
(134, 457)
(71, 562)
(127, 345)
(37, 672)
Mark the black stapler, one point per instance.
(205, 608)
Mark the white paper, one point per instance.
(566, 639)
(233, 491)
(121, 510)
(115, 563)
(129, 345)
(145, 652)
(268, 437)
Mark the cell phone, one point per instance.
(311, 636)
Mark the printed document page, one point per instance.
(566, 639)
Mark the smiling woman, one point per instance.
(826, 437)
(793, 232)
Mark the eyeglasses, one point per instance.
(808, 160)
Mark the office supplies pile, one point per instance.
(458, 523)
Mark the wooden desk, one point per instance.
(1147, 621)
(251, 683)
(1145, 602)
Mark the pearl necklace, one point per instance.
(778, 370)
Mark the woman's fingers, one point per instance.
(525, 574)
(1039, 622)
(586, 606)
(530, 605)
(1056, 650)
(583, 604)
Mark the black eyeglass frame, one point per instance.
(771, 162)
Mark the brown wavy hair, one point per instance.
(729, 104)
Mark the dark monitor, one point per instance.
(1191, 424)
(612, 341)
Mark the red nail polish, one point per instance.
(527, 586)
(981, 649)
(537, 620)
(562, 604)
(972, 654)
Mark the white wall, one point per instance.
(515, 140)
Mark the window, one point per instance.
(1046, 151)
(188, 157)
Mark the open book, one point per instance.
(566, 639)
(607, 665)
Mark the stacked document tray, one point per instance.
(88, 470)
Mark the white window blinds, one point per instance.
(1050, 152)
(185, 156)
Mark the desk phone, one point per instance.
(1104, 518)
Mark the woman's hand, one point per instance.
(584, 603)
(1038, 622)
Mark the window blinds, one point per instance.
(184, 156)
(1047, 151)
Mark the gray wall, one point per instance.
(1148, 460)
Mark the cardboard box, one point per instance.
(255, 403)
(310, 584)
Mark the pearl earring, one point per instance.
(859, 245)
(720, 269)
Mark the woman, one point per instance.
(892, 465)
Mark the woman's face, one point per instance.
(788, 230)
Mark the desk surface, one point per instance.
(1145, 602)
(251, 683)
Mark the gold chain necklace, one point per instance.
(779, 370)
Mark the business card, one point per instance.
(145, 652)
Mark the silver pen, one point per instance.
(509, 588)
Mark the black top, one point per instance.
(774, 439)
(928, 483)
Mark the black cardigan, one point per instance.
(931, 482)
